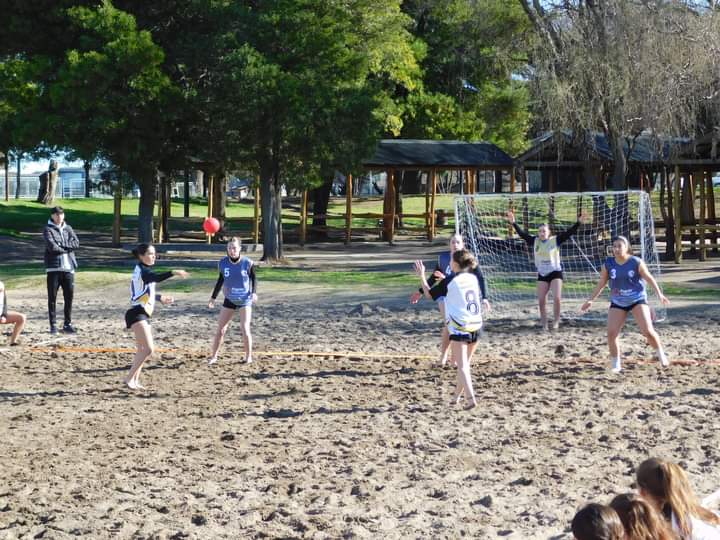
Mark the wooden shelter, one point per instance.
(583, 163)
(693, 198)
(396, 155)
(684, 168)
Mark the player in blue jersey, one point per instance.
(239, 284)
(627, 276)
(442, 270)
(463, 315)
(546, 253)
(142, 300)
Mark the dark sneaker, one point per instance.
(69, 329)
(53, 329)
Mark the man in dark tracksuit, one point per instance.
(60, 264)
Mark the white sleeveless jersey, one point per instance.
(547, 256)
(462, 301)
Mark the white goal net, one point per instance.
(507, 262)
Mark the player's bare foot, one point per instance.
(249, 360)
(556, 325)
(212, 360)
(470, 405)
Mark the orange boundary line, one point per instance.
(351, 354)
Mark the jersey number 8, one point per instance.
(472, 303)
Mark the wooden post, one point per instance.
(256, 222)
(433, 189)
(117, 213)
(391, 227)
(710, 205)
(524, 181)
(210, 199)
(512, 180)
(702, 183)
(428, 184)
(348, 209)
(678, 217)
(303, 216)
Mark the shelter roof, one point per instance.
(563, 145)
(421, 154)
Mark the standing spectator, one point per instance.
(60, 263)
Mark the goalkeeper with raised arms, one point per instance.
(546, 251)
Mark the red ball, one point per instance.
(211, 225)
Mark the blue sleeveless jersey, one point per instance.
(444, 263)
(626, 285)
(237, 286)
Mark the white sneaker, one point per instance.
(616, 366)
(212, 360)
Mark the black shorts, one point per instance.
(628, 308)
(557, 274)
(136, 314)
(469, 337)
(232, 305)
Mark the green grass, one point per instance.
(96, 215)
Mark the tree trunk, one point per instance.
(320, 197)
(617, 180)
(186, 194)
(271, 201)
(7, 175)
(88, 182)
(17, 178)
(148, 184)
(668, 217)
(219, 205)
(51, 187)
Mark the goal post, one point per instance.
(507, 262)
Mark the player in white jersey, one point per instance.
(442, 270)
(463, 315)
(546, 253)
(142, 299)
(239, 285)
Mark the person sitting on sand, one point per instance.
(627, 276)
(546, 250)
(463, 316)
(143, 298)
(10, 317)
(597, 522)
(666, 486)
(442, 270)
(640, 518)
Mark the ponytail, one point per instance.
(140, 249)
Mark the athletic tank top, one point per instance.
(547, 256)
(463, 302)
(444, 263)
(141, 293)
(236, 279)
(626, 285)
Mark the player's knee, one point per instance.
(23, 318)
(150, 350)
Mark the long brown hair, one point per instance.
(465, 260)
(669, 485)
(597, 522)
(640, 519)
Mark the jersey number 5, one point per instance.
(472, 303)
(226, 272)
